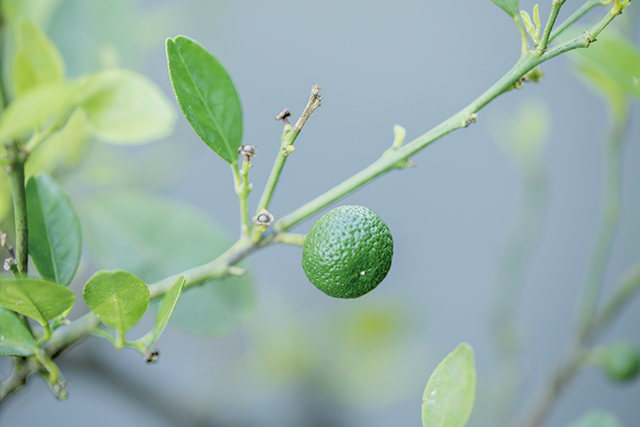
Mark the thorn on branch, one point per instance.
(314, 102)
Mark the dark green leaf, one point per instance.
(509, 6)
(34, 108)
(596, 418)
(54, 230)
(37, 60)
(15, 339)
(167, 305)
(124, 107)
(450, 393)
(156, 238)
(40, 300)
(206, 95)
(117, 298)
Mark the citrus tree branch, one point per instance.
(17, 157)
(555, 9)
(396, 157)
(582, 10)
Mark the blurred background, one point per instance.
(269, 349)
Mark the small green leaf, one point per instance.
(15, 339)
(124, 107)
(62, 150)
(37, 60)
(167, 305)
(206, 95)
(34, 109)
(596, 418)
(156, 238)
(450, 393)
(54, 238)
(117, 298)
(37, 299)
(509, 6)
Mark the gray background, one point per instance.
(412, 63)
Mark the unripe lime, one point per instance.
(347, 252)
(622, 362)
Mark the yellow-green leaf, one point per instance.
(37, 299)
(15, 339)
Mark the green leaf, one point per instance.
(167, 306)
(54, 230)
(206, 95)
(37, 60)
(62, 150)
(596, 418)
(37, 299)
(611, 66)
(155, 238)
(509, 6)
(15, 339)
(124, 107)
(117, 298)
(34, 109)
(450, 393)
(38, 11)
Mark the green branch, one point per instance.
(555, 9)
(17, 158)
(582, 10)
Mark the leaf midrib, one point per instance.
(215, 121)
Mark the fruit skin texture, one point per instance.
(622, 362)
(347, 252)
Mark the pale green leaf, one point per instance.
(509, 6)
(124, 107)
(38, 11)
(596, 418)
(37, 60)
(207, 96)
(15, 339)
(37, 299)
(167, 306)
(62, 150)
(54, 230)
(117, 298)
(156, 238)
(450, 393)
(34, 109)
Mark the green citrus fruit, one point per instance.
(622, 362)
(347, 252)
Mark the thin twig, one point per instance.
(312, 105)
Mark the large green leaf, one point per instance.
(37, 60)
(167, 306)
(124, 107)
(207, 96)
(54, 230)
(156, 238)
(38, 299)
(509, 6)
(34, 109)
(117, 298)
(450, 393)
(596, 418)
(15, 339)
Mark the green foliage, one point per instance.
(155, 238)
(124, 107)
(207, 96)
(596, 418)
(37, 61)
(54, 240)
(509, 6)
(611, 67)
(167, 306)
(34, 108)
(117, 298)
(450, 393)
(347, 252)
(15, 338)
(622, 362)
(40, 300)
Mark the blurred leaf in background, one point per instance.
(155, 238)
